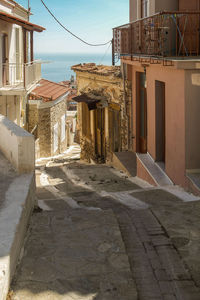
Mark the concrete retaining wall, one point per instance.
(17, 145)
(14, 218)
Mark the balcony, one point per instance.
(19, 76)
(163, 35)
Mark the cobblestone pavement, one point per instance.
(104, 236)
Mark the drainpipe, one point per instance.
(113, 51)
(28, 9)
(125, 97)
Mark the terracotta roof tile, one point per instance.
(49, 90)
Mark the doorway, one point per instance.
(141, 108)
(114, 128)
(160, 120)
(100, 133)
(5, 68)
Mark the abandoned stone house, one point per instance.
(46, 115)
(103, 111)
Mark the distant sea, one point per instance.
(57, 67)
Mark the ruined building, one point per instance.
(103, 111)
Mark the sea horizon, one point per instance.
(57, 66)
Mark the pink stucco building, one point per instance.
(160, 50)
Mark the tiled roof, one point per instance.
(98, 69)
(49, 90)
(65, 82)
(26, 24)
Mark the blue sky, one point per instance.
(92, 20)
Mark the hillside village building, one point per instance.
(160, 48)
(46, 117)
(72, 85)
(19, 73)
(103, 106)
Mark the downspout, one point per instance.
(125, 98)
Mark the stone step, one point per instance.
(125, 161)
(194, 176)
(154, 170)
(82, 255)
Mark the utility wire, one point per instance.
(93, 45)
(105, 53)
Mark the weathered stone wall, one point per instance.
(57, 111)
(10, 107)
(87, 150)
(32, 116)
(44, 131)
(45, 116)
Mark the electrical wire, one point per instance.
(105, 53)
(74, 35)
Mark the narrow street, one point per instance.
(101, 235)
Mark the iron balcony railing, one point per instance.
(14, 75)
(165, 34)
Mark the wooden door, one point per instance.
(5, 68)
(141, 99)
(114, 125)
(100, 132)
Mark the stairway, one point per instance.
(154, 170)
(125, 161)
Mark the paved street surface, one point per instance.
(101, 235)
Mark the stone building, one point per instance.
(103, 111)
(46, 115)
(72, 85)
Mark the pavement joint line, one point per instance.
(126, 199)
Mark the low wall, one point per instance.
(17, 145)
(14, 219)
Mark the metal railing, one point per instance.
(165, 34)
(20, 75)
(32, 73)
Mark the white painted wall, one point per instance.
(55, 137)
(17, 145)
(62, 128)
(6, 8)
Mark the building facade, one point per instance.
(19, 73)
(102, 118)
(160, 47)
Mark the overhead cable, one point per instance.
(105, 53)
(74, 35)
